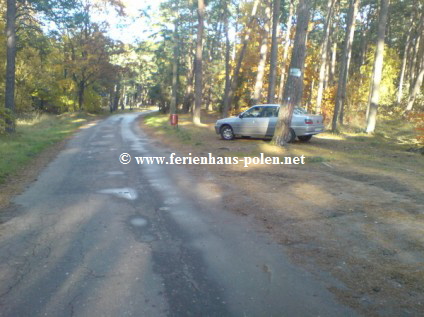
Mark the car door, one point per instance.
(271, 112)
(252, 123)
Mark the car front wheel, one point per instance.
(305, 138)
(227, 133)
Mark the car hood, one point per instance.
(226, 120)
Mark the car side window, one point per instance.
(298, 110)
(254, 112)
(269, 112)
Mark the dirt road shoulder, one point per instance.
(355, 210)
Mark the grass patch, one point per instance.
(32, 136)
(315, 159)
(184, 133)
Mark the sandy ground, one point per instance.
(361, 222)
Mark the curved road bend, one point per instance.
(93, 237)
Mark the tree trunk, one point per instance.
(117, 96)
(419, 72)
(293, 88)
(344, 63)
(189, 94)
(324, 53)
(81, 89)
(123, 101)
(333, 64)
(274, 52)
(419, 55)
(227, 56)
(10, 62)
(188, 99)
(364, 34)
(378, 67)
(286, 52)
(262, 60)
(173, 105)
(111, 96)
(228, 101)
(404, 60)
(199, 59)
(415, 60)
(415, 90)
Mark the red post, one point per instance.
(174, 119)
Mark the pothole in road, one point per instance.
(142, 229)
(172, 201)
(146, 238)
(126, 193)
(138, 222)
(100, 143)
(160, 185)
(113, 173)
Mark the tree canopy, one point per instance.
(67, 61)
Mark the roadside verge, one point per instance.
(355, 210)
(35, 143)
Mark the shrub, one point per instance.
(6, 116)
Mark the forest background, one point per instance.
(217, 55)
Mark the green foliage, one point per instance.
(6, 116)
(51, 69)
(93, 101)
(359, 84)
(32, 136)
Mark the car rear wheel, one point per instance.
(305, 138)
(227, 133)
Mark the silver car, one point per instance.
(259, 122)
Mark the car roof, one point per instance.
(273, 105)
(268, 104)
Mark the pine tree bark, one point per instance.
(10, 62)
(418, 75)
(415, 89)
(378, 67)
(324, 53)
(344, 63)
(286, 52)
(262, 60)
(365, 30)
(404, 60)
(117, 96)
(415, 60)
(333, 64)
(293, 88)
(198, 70)
(188, 98)
(274, 52)
(227, 53)
(173, 105)
(189, 93)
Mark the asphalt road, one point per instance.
(94, 237)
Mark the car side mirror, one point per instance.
(240, 115)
